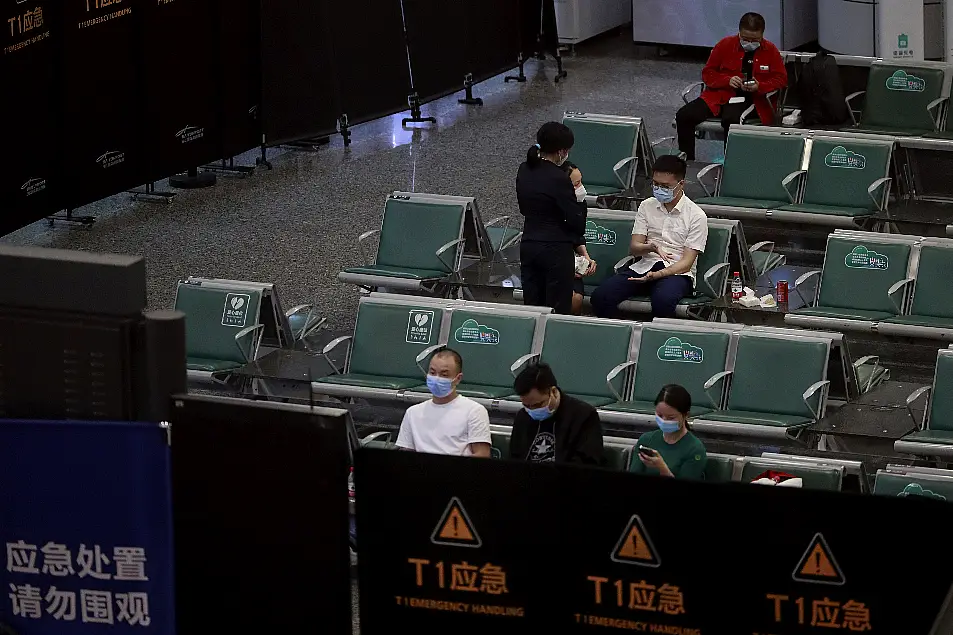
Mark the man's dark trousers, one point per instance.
(696, 112)
(665, 292)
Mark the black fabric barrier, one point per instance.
(102, 127)
(436, 42)
(259, 501)
(492, 37)
(453, 545)
(239, 63)
(29, 179)
(181, 91)
(299, 99)
(370, 58)
(530, 22)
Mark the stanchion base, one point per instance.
(471, 101)
(190, 182)
(514, 78)
(408, 120)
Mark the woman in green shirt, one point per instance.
(672, 450)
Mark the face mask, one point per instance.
(540, 414)
(667, 427)
(563, 159)
(750, 47)
(439, 386)
(663, 194)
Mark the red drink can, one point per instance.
(782, 295)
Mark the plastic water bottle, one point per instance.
(736, 287)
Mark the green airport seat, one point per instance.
(901, 99)
(604, 150)
(490, 341)
(931, 312)
(608, 238)
(420, 244)
(582, 352)
(905, 484)
(222, 329)
(388, 337)
(795, 396)
(711, 276)
(669, 355)
(935, 436)
(747, 182)
(617, 457)
(845, 177)
(499, 445)
(863, 282)
(827, 478)
(720, 468)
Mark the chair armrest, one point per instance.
(615, 373)
(297, 309)
(360, 244)
(934, 105)
(522, 361)
(374, 436)
(714, 379)
(864, 360)
(618, 166)
(688, 89)
(245, 332)
(900, 284)
(708, 275)
(330, 346)
(703, 172)
(879, 202)
(810, 393)
(426, 353)
(757, 247)
(801, 280)
(850, 98)
(440, 252)
(625, 261)
(497, 220)
(790, 178)
(912, 399)
(659, 142)
(310, 324)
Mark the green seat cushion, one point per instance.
(697, 300)
(598, 147)
(648, 408)
(843, 314)
(731, 201)
(485, 392)
(931, 436)
(210, 365)
(828, 210)
(719, 469)
(922, 320)
(758, 418)
(411, 234)
(397, 272)
(601, 190)
(372, 381)
(932, 296)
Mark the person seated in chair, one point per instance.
(669, 233)
(741, 70)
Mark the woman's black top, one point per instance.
(547, 201)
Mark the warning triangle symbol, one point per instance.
(635, 546)
(818, 566)
(455, 528)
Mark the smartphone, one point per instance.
(749, 82)
(647, 451)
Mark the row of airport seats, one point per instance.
(934, 436)
(608, 237)
(812, 177)
(228, 321)
(617, 366)
(892, 285)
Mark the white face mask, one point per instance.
(563, 159)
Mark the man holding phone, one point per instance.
(741, 70)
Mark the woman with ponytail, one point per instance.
(553, 206)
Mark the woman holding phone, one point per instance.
(672, 450)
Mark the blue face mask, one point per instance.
(668, 427)
(750, 47)
(663, 194)
(439, 386)
(540, 414)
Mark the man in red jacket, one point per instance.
(741, 70)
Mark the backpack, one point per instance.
(822, 93)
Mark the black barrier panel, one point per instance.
(617, 551)
(29, 180)
(102, 129)
(239, 63)
(436, 40)
(370, 60)
(436, 559)
(530, 24)
(299, 99)
(259, 501)
(181, 90)
(492, 37)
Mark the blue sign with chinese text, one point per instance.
(85, 528)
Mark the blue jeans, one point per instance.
(665, 293)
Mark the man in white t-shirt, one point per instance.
(449, 423)
(670, 232)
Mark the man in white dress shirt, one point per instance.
(670, 232)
